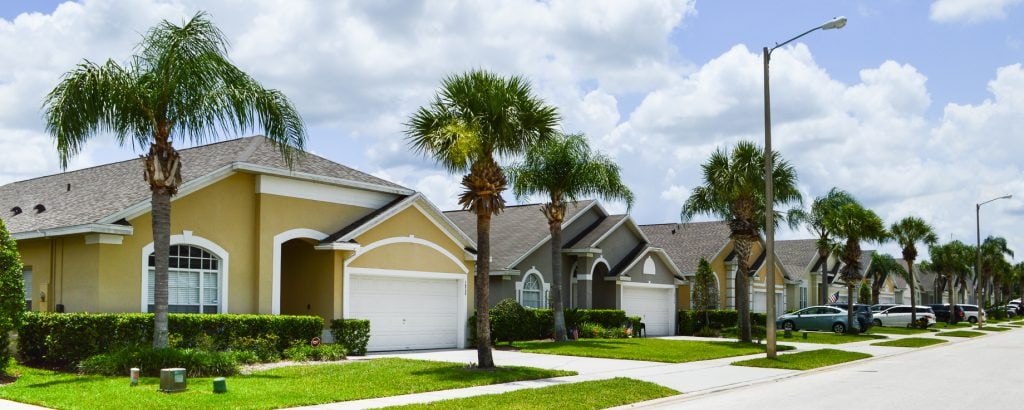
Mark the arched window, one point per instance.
(533, 292)
(193, 280)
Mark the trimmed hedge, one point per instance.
(353, 334)
(690, 322)
(198, 363)
(67, 338)
(511, 322)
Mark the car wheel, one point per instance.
(972, 320)
(877, 322)
(839, 328)
(788, 325)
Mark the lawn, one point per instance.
(993, 328)
(1009, 325)
(896, 330)
(828, 338)
(961, 333)
(281, 387)
(654, 350)
(911, 342)
(598, 394)
(944, 325)
(805, 360)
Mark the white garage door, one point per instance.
(406, 313)
(655, 306)
(760, 303)
(886, 299)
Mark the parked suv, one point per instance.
(861, 311)
(942, 312)
(880, 307)
(973, 313)
(899, 316)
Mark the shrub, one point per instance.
(510, 322)
(707, 332)
(689, 322)
(303, 352)
(67, 338)
(997, 314)
(198, 363)
(757, 332)
(264, 348)
(588, 330)
(353, 334)
(12, 294)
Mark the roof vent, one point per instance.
(15, 211)
(69, 187)
(673, 231)
(39, 208)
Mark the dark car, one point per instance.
(862, 311)
(942, 312)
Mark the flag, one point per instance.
(834, 297)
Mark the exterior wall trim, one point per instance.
(187, 238)
(279, 240)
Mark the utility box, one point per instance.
(172, 380)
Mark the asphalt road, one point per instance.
(982, 373)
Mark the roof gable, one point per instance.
(687, 243)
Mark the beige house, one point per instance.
(249, 235)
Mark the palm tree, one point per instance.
(855, 223)
(993, 257)
(882, 265)
(473, 118)
(819, 221)
(733, 189)
(179, 87)
(565, 169)
(908, 232)
(951, 261)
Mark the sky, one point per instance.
(915, 107)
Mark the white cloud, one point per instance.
(970, 11)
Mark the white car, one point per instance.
(899, 316)
(973, 313)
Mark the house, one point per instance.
(607, 261)
(800, 256)
(836, 283)
(689, 242)
(248, 235)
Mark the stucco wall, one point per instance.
(306, 280)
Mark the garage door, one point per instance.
(760, 303)
(406, 313)
(886, 299)
(655, 306)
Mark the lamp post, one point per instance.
(977, 251)
(769, 225)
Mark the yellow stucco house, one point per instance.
(249, 235)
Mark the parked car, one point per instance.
(1016, 305)
(973, 313)
(1010, 310)
(816, 318)
(942, 312)
(899, 316)
(862, 312)
(880, 307)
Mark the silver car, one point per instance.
(899, 316)
(816, 318)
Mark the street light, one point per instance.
(769, 247)
(977, 250)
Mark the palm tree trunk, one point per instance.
(952, 300)
(161, 203)
(556, 280)
(742, 292)
(823, 292)
(483, 269)
(850, 313)
(913, 297)
(876, 289)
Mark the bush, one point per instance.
(12, 294)
(263, 348)
(588, 330)
(997, 314)
(510, 322)
(689, 321)
(305, 353)
(198, 363)
(707, 332)
(68, 338)
(352, 334)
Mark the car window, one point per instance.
(807, 311)
(921, 309)
(830, 311)
(971, 308)
(899, 309)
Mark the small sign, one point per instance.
(315, 342)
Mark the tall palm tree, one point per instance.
(882, 265)
(473, 118)
(908, 232)
(733, 189)
(994, 251)
(819, 221)
(179, 87)
(855, 224)
(565, 169)
(951, 261)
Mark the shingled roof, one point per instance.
(588, 238)
(796, 256)
(89, 195)
(687, 243)
(515, 231)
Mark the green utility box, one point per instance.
(173, 380)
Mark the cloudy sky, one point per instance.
(916, 107)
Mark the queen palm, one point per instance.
(179, 87)
(882, 265)
(854, 224)
(733, 189)
(475, 117)
(908, 232)
(565, 169)
(819, 221)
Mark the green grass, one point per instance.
(961, 333)
(805, 360)
(826, 337)
(993, 328)
(598, 394)
(944, 325)
(1009, 325)
(281, 387)
(654, 350)
(896, 330)
(911, 342)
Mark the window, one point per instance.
(533, 291)
(193, 281)
(803, 298)
(27, 274)
(649, 267)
